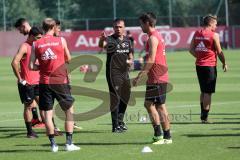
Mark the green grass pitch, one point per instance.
(191, 140)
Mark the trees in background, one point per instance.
(75, 12)
(22, 8)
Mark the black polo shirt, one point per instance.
(117, 54)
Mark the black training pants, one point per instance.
(119, 90)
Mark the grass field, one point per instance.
(191, 140)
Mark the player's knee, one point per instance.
(162, 109)
(28, 107)
(69, 114)
(207, 95)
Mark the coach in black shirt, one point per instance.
(119, 59)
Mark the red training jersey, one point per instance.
(159, 71)
(204, 48)
(50, 53)
(32, 77)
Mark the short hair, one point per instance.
(48, 24)
(149, 17)
(208, 18)
(58, 23)
(35, 31)
(19, 22)
(118, 20)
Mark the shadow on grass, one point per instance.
(23, 151)
(233, 147)
(18, 134)
(41, 133)
(91, 131)
(104, 143)
(61, 145)
(211, 135)
(132, 123)
(184, 123)
(237, 129)
(228, 119)
(180, 123)
(205, 124)
(11, 130)
(89, 144)
(222, 114)
(11, 127)
(101, 143)
(22, 130)
(111, 143)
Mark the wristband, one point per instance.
(23, 82)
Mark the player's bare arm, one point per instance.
(192, 48)
(102, 42)
(130, 56)
(219, 51)
(153, 43)
(16, 61)
(130, 59)
(66, 51)
(32, 65)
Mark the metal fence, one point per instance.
(101, 23)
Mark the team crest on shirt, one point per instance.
(49, 54)
(125, 45)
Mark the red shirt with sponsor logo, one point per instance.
(32, 77)
(204, 48)
(50, 53)
(159, 71)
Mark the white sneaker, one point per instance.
(71, 147)
(75, 126)
(167, 141)
(161, 140)
(158, 140)
(57, 129)
(54, 148)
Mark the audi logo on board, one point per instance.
(171, 37)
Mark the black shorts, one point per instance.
(156, 93)
(207, 77)
(48, 92)
(28, 93)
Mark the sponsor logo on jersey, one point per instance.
(49, 54)
(122, 51)
(201, 47)
(49, 44)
